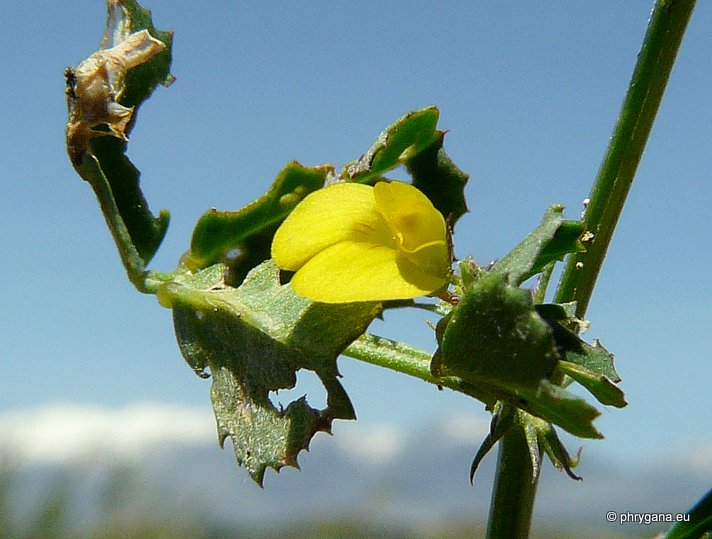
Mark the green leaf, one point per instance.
(97, 155)
(398, 143)
(559, 312)
(249, 231)
(145, 232)
(589, 365)
(414, 142)
(539, 435)
(542, 435)
(529, 426)
(470, 272)
(554, 404)
(495, 336)
(435, 174)
(550, 241)
(502, 421)
(601, 387)
(699, 523)
(495, 340)
(594, 358)
(254, 339)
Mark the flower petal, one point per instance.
(433, 258)
(355, 271)
(418, 227)
(409, 214)
(340, 212)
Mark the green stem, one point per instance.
(412, 361)
(514, 488)
(515, 484)
(657, 56)
(151, 281)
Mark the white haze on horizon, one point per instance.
(64, 433)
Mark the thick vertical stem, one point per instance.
(657, 56)
(516, 482)
(514, 489)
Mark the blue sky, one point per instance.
(529, 93)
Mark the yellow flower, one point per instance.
(351, 242)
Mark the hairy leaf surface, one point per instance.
(253, 339)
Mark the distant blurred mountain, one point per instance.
(374, 475)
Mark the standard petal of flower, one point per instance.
(354, 271)
(410, 214)
(419, 228)
(343, 211)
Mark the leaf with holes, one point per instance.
(253, 339)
